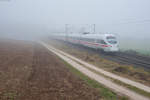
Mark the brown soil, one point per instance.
(30, 72)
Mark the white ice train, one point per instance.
(105, 42)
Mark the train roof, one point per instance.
(89, 35)
(97, 35)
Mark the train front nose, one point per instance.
(111, 40)
(111, 48)
(114, 48)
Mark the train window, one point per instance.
(79, 38)
(89, 40)
(111, 37)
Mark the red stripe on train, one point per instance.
(85, 42)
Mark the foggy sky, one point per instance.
(27, 18)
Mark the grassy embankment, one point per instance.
(138, 74)
(133, 88)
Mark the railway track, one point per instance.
(125, 58)
(134, 59)
(120, 57)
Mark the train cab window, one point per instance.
(111, 37)
(111, 40)
(101, 41)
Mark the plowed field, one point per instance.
(30, 72)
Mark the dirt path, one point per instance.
(97, 77)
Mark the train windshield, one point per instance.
(101, 41)
(111, 40)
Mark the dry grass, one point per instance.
(138, 74)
